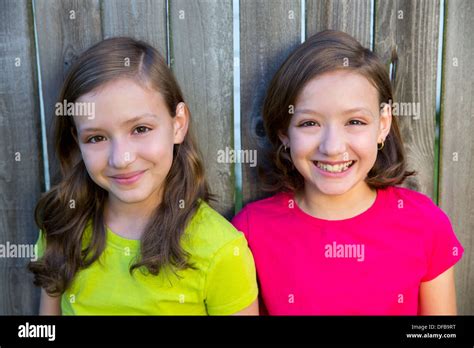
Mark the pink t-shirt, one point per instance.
(370, 264)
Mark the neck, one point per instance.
(129, 219)
(336, 207)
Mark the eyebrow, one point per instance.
(345, 112)
(130, 121)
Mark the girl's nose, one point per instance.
(121, 154)
(333, 142)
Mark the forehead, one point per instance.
(120, 100)
(123, 92)
(340, 88)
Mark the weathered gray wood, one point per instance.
(350, 16)
(269, 31)
(411, 28)
(201, 57)
(65, 30)
(456, 186)
(141, 19)
(21, 165)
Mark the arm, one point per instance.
(49, 305)
(231, 283)
(250, 310)
(438, 296)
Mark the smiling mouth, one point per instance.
(334, 168)
(129, 178)
(128, 175)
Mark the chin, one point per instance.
(131, 197)
(333, 189)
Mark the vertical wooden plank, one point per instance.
(65, 29)
(201, 57)
(350, 16)
(269, 31)
(21, 166)
(456, 186)
(411, 29)
(141, 19)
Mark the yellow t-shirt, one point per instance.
(224, 281)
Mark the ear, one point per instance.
(180, 123)
(284, 139)
(385, 122)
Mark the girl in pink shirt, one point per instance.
(339, 237)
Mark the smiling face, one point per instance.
(127, 147)
(334, 132)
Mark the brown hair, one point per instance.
(326, 51)
(63, 227)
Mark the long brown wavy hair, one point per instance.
(324, 52)
(63, 227)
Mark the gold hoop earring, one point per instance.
(382, 145)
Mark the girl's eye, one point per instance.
(141, 129)
(308, 124)
(95, 139)
(356, 123)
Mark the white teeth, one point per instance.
(338, 168)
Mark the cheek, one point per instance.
(366, 151)
(365, 145)
(158, 149)
(94, 159)
(302, 143)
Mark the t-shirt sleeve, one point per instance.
(444, 249)
(231, 282)
(240, 222)
(40, 245)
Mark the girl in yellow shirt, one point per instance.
(128, 229)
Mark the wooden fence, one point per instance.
(40, 39)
